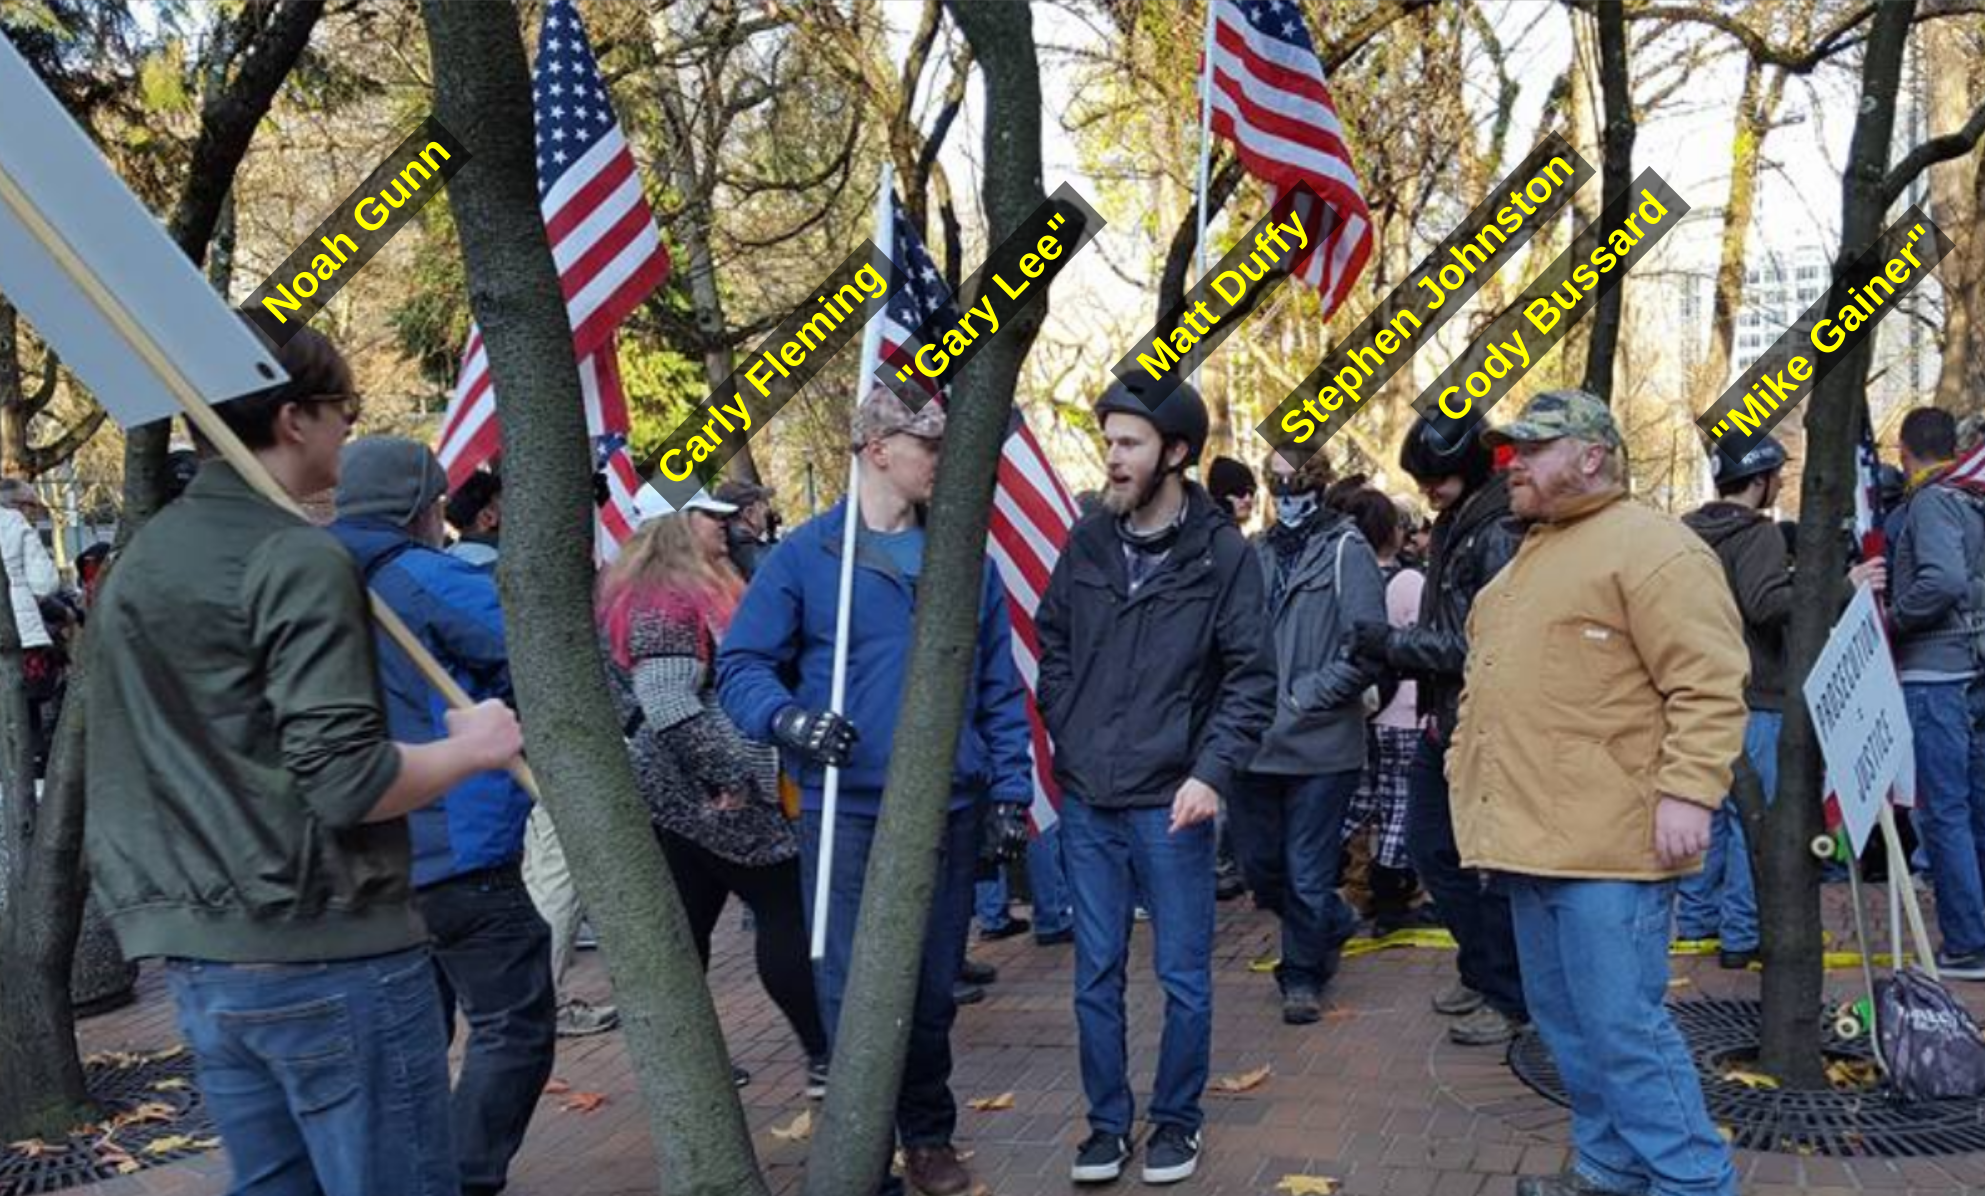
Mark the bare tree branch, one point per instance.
(1931, 152)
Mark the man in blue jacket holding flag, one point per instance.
(492, 950)
(774, 676)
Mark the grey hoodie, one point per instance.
(1319, 709)
(1934, 594)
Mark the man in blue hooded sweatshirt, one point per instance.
(491, 949)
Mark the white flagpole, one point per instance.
(830, 797)
(1205, 140)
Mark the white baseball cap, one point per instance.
(649, 504)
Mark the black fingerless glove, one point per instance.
(823, 737)
(1006, 833)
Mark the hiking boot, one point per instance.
(1485, 1027)
(935, 1170)
(974, 972)
(1457, 1000)
(1419, 917)
(1568, 1183)
(579, 1019)
(1736, 961)
(963, 993)
(739, 1076)
(1170, 1155)
(1100, 1158)
(1227, 882)
(1055, 938)
(1301, 1007)
(816, 1077)
(1961, 967)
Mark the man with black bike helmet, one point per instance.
(1474, 536)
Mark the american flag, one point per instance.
(1271, 100)
(610, 258)
(1032, 511)
(1969, 471)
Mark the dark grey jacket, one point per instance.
(1935, 603)
(1140, 692)
(1319, 689)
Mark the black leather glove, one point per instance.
(823, 737)
(1006, 833)
(1368, 640)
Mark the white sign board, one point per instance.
(56, 190)
(1856, 703)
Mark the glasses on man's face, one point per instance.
(349, 405)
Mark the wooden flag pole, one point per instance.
(222, 437)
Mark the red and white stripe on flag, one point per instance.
(603, 241)
(1271, 100)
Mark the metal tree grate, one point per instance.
(152, 1115)
(1870, 1123)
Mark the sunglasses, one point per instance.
(349, 405)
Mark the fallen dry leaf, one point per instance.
(171, 1084)
(1729, 1135)
(1680, 982)
(797, 1130)
(33, 1148)
(168, 1144)
(585, 1102)
(1852, 1073)
(556, 1087)
(992, 1104)
(1756, 1081)
(1246, 1081)
(1307, 1185)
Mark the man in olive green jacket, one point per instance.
(1602, 711)
(248, 814)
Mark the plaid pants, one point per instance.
(1381, 796)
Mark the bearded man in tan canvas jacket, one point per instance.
(1602, 713)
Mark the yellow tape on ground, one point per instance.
(1439, 940)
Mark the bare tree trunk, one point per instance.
(483, 93)
(873, 1037)
(42, 1092)
(1793, 975)
(1956, 189)
(13, 404)
(228, 118)
(1616, 86)
(1756, 109)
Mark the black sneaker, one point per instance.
(974, 972)
(1100, 1158)
(1961, 967)
(1170, 1155)
(1736, 961)
(739, 1076)
(1011, 928)
(963, 993)
(816, 1078)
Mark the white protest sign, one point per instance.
(98, 277)
(1856, 703)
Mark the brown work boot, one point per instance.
(936, 1171)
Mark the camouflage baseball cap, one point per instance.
(883, 414)
(1555, 414)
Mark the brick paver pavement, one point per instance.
(1374, 1096)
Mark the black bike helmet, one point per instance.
(1427, 457)
(1765, 456)
(1181, 416)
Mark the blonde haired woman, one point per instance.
(712, 795)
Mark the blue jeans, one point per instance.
(326, 1079)
(1114, 855)
(1472, 906)
(1947, 720)
(1288, 833)
(1595, 971)
(1721, 901)
(926, 1112)
(1045, 878)
(492, 955)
